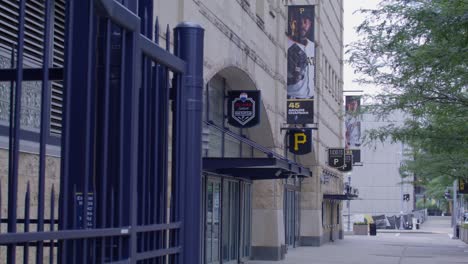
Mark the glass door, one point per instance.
(213, 220)
(231, 221)
(246, 231)
(291, 217)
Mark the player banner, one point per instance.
(353, 122)
(300, 65)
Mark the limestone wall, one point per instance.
(28, 172)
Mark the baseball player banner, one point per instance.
(301, 65)
(352, 122)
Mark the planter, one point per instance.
(360, 230)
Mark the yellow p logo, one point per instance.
(299, 138)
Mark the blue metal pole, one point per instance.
(189, 102)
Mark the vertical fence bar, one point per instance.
(64, 190)
(130, 138)
(45, 126)
(104, 137)
(189, 47)
(15, 110)
(90, 128)
(142, 137)
(150, 196)
(77, 146)
(113, 241)
(121, 150)
(52, 223)
(154, 135)
(27, 204)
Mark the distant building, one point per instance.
(379, 180)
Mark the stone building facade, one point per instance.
(245, 48)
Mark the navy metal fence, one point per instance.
(127, 193)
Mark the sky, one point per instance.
(351, 21)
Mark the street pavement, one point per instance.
(431, 244)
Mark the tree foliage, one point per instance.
(417, 52)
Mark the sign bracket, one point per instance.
(315, 127)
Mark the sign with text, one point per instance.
(300, 141)
(243, 108)
(356, 155)
(300, 111)
(406, 197)
(300, 64)
(348, 165)
(89, 210)
(336, 157)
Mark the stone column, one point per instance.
(311, 233)
(268, 238)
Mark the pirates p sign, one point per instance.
(243, 108)
(300, 141)
(336, 157)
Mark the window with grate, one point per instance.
(33, 57)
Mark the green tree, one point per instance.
(417, 52)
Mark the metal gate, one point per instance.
(127, 192)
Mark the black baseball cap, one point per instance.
(306, 12)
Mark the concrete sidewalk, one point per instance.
(434, 246)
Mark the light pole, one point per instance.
(454, 209)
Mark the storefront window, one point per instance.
(230, 221)
(246, 221)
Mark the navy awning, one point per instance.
(346, 196)
(255, 168)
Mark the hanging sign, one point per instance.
(300, 111)
(462, 187)
(356, 155)
(353, 122)
(300, 64)
(300, 141)
(243, 108)
(348, 166)
(336, 157)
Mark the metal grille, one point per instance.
(33, 54)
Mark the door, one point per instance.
(246, 223)
(291, 217)
(231, 221)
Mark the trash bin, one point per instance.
(372, 229)
(417, 224)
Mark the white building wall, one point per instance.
(378, 180)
